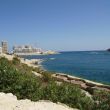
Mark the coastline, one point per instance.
(72, 76)
(36, 53)
(83, 83)
(27, 54)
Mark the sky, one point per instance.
(61, 25)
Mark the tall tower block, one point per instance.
(4, 47)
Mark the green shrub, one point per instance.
(16, 60)
(68, 94)
(101, 100)
(46, 76)
(11, 80)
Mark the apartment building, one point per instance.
(4, 47)
(26, 49)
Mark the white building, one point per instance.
(0, 50)
(26, 49)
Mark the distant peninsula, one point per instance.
(108, 49)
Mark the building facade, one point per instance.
(0, 50)
(4, 47)
(26, 49)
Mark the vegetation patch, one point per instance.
(18, 79)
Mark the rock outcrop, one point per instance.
(10, 102)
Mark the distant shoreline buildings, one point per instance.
(26, 49)
(23, 50)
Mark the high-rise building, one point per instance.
(0, 50)
(4, 47)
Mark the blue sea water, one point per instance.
(92, 65)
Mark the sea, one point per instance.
(91, 65)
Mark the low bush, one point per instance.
(101, 100)
(16, 60)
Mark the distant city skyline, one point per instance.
(61, 25)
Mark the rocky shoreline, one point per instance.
(82, 83)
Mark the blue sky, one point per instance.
(56, 24)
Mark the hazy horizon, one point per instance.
(61, 25)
